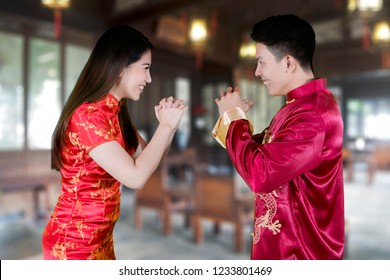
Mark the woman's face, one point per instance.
(134, 78)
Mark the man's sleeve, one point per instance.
(221, 127)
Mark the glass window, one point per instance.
(11, 92)
(264, 105)
(183, 91)
(75, 59)
(367, 118)
(354, 109)
(206, 114)
(44, 101)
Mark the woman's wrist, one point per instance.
(167, 128)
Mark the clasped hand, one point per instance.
(230, 99)
(169, 111)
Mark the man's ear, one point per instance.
(290, 63)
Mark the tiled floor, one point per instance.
(367, 214)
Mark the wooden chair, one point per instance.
(379, 160)
(347, 162)
(151, 197)
(217, 199)
(170, 189)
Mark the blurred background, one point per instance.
(201, 47)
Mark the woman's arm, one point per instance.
(141, 146)
(134, 172)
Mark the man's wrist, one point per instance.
(233, 114)
(220, 129)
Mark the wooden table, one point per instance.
(36, 186)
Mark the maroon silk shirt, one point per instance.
(295, 169)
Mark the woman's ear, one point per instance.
(121, 73)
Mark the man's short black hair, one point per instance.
(287, 34)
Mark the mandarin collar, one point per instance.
(110, 104)
(312, 86)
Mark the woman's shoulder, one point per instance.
(87, 114)
(87, 109)
(108, 105)
(97, 112)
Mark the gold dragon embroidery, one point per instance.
(266, 220)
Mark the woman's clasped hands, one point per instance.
(169, 111)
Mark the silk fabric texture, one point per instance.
(82, 223)
(295, 169)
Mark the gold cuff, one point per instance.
(220, 129)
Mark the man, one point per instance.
(295, 165)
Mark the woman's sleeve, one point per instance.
(89, 128)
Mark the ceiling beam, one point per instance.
(148, 11)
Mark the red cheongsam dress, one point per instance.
(83, 220)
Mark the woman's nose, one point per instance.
(149, 78)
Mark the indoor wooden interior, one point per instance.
(356, 66)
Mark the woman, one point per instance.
(96, 148)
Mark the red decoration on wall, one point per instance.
(385, 59)
(57, 23)
(366, 36)
(184, 20)
(57, 6)
(213, 22)
(198, 58)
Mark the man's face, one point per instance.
(271, 72)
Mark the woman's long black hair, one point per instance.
(117, 48)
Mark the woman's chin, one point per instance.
(134, 97)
